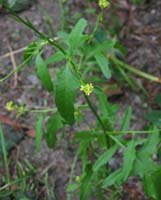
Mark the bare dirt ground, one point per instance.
(140, 35)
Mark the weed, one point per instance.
(87, 56)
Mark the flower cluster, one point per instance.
(87, 88)
(103, 4)
(11, 106)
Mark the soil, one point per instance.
(140, 34)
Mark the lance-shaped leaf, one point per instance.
(104, 158)
(19, 5)
(86, 183)
(56, 57)
(33, 49)
(113, 178)
(65, 90)
(52, 126)
(103, 64)
(43, 73)
(120, 175)
(126, 119)
(129, 158)
(144, 163)
(77, 33)
(151, 184)
(30, 51)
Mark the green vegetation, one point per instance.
(86, 60)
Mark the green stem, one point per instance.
(27, 23)
(98, 118)
(135, 71)
(71, 175)
(15, 182)
(16, 70)
(94, 112)
(4, 152)
(117, 141)
(96, 26)
(41, 35)
(52, 42)
(42, 110)
(131, 131)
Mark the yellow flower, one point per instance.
(87, 88)
(103, 4)
(10, 106)
(20, 110)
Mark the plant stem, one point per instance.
(117, 141)
(4, 152)
(40, 110)
(18, 68)
(135, 71)
(56, 45)
(132, 131)
(71, 175)
(94, 112)
(99, 18)
(28, 23)
(41, 35)
(98, 118)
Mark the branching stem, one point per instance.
(132, 69)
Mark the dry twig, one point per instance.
(13, 52)
(13, 60)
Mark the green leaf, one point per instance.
(148, 186)
(103, 64)
(126, 119)
(33, 49)
(100, 35)
(113, 178)
(108, 111)
(151, 184)
(64, 37)
(39, 132)
(154, 116)
(30, 52)
(85, 135)
(86, 184)
(144, 163)
(122, 174)
(77, 33)
(129, 158)
(19, 5)
(72, 187)
(98, 48)
(150, 146)
(56, 57)
(43, 73)
(104, 158)
(65, 92)
(53, 124)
